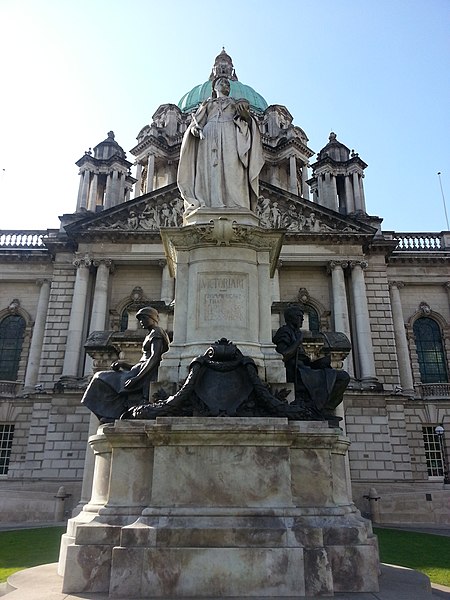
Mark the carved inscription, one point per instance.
(223, 299)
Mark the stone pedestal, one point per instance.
(223, 263)
(219, 507)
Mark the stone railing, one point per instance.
(10, 389)
(433, 391)
(21, 239)
(420, 242)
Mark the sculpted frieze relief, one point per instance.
(148, 217)
(296, 218)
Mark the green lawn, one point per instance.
(429, 554)
(423, 552)
(23, 548)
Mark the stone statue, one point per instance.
(221, 154)
(318, 387)
(111, 393)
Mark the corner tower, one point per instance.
(105, 178)
(337, 180)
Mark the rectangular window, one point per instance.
(6, 439)
(433, 452)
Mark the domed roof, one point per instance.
(109, 148)
(223, 65)
(334, 149)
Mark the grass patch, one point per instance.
(24, 548)
(424, 552)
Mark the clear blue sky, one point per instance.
(374, 71)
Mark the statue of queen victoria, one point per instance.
(221, 154)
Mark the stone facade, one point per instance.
(108, 259)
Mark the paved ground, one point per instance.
(396, 583)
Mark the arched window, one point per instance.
(430, 351)
(314, 323)
(12, 329)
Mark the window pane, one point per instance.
(12, 329)
(430, 351)
(433, 452)
(6, 438)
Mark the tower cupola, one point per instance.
(105, 178)
(337, 181)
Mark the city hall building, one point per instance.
(68, 300)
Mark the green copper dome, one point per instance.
(199, 93)
(223, 65)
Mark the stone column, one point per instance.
(305, 186)
(127, 191)
(333, 193)
(327, 191)
(121, 194)
(349, 199)
(100, 302)
(361, 191)
(137, 185)
(93, 193)
(34, 356)
(76, 323)
(447, 287)
(167, 283)
(401, 342)
(114, 188)
(342, 323)
(293, 186)
(274, 175)
(108, 191)
(150, 172)
(320, 189)
(362, 322)
(80, 190)
(85, 189)
(340, 307)
(357, 191)
(171, 172)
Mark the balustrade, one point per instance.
(22, 239)
(435, 391)
(419, 241)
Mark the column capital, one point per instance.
(104, 261)
(333, 264)
(359, 263)
(396, 284)
(84, 261)
(447, 285)
(40, 282)
(162, 263)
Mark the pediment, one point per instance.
(299, 217)
(276, 209)
(143, 215)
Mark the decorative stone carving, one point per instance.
(13, 307)
(150, 217)
(424, 308)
